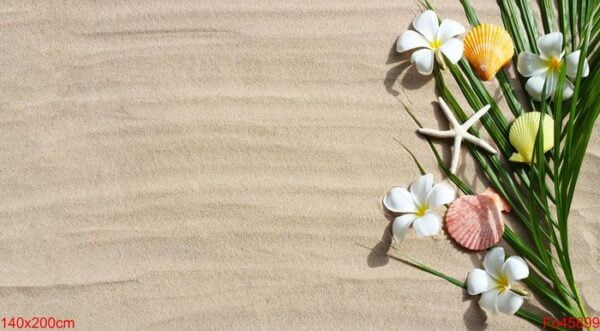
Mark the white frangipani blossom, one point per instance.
(432, 38)
(547, 66)
(495, 282)
(418, 206)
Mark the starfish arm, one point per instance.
(449, 114)
(476, 117)
(436, 133)
(455, 154)
(480, 142)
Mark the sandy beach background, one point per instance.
(220, 164)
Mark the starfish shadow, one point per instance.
(444, 146)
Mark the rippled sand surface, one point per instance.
(220, 164)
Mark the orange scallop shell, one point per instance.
(488, 48)
(475, 221)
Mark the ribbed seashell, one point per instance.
(488, 48)
(523, 133)
(475, 222)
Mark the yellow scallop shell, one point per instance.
(488, 48)
(523, 134)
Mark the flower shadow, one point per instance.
(378, 255)
(474, 317)
(411, 78)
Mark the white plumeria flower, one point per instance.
(547, 66)
(495, 282)
(418, 206)
(433, 38)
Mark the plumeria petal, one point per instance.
(494, 261)
(420, 188)
(568, 88)
(552, 84)
(494, 283)
(573, 62)
(401, 225)
(427, 23)
(409, 40)
(423, 59)
(453, 49)
(515, 268)
(427, 225)
(399, 200)
(440, 194)
(530, 64)
(535, 86)
(488, 301)
(449, 29)
(508, 302)
(551, 45)
(479, 281)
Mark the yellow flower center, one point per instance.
(503, 284)
(554, 64)
(422, 210)
(435, 44)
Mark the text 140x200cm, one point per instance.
(36, 322)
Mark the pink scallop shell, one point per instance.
(475, 221)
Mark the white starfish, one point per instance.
(459, 132)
